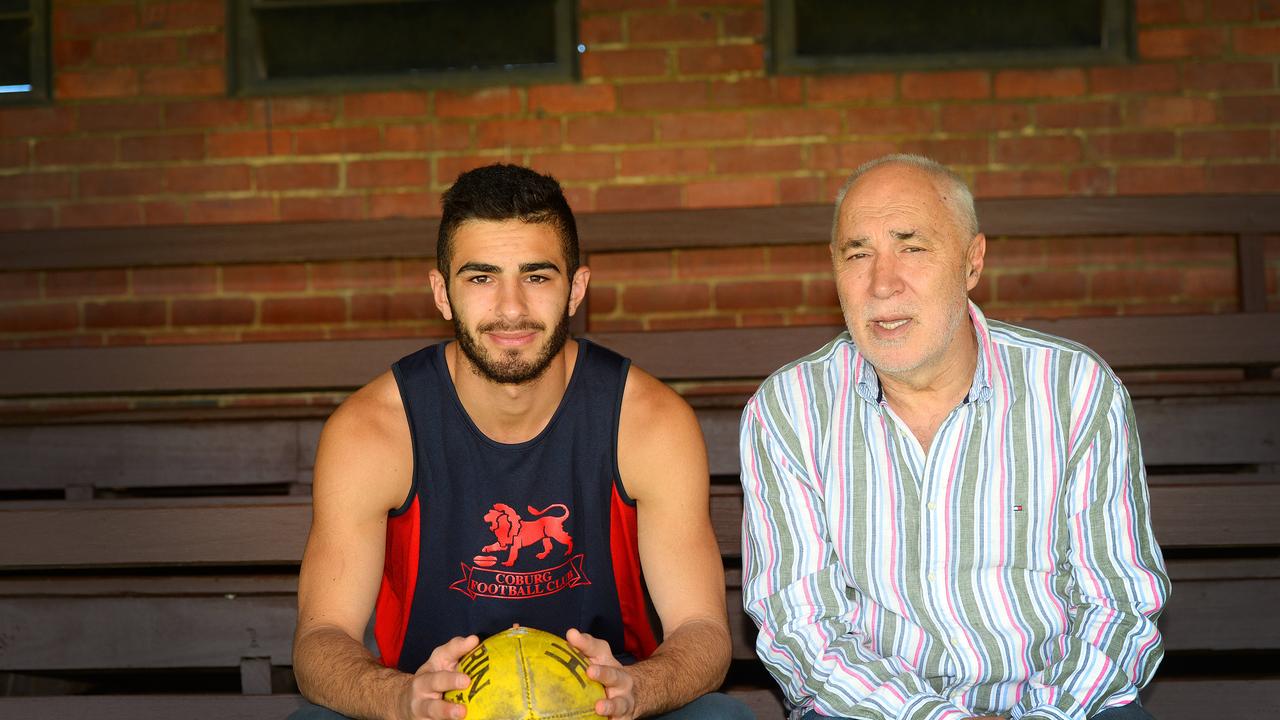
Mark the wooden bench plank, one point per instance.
(1217, 615)
(120, 533)
(133, 707)
(68, 633)
(272, 531)
(155, 454)
(1126, 342)
(1190, 699)
(151, 585)
(1219, 516)
(1197, 431)
(1209, 431)
(79, 624)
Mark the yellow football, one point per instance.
(527, 674)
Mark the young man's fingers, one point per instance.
(446, 656)
(595, 649)
(436, 683)
(615, 707)
(432, 708)
(609, 676)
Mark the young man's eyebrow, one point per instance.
(479, 268)
(486, 268)
(537, 266)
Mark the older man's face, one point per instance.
(904, 266)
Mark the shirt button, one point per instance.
(931, 576)
(933, 506)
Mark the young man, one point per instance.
(946, 517)
(513, 475)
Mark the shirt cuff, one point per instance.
(1042, 712)
(934, 707)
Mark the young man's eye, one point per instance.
(536, 279)
(479, 279)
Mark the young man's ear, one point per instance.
(578, 288)
(440, 293)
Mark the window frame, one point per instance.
(41, 92)
(244, 76)
(1118, 43)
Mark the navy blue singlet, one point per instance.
(539, 533)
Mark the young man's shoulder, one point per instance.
(372, 413)
(365, 454)
(661, 453)
(646, 399)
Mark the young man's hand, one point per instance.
(604, 668)
(423, 698)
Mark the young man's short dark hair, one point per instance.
(505, 192)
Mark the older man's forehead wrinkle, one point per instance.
(864, 211)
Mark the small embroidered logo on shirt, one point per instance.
(1017, 508)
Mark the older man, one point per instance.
(946, 517)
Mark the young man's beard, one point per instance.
(509, 368)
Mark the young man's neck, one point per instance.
(511, 413)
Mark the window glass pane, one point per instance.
(15, 52)
(914, 27)
(839, 35)
(405, 38)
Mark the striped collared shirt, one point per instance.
(1011, 569)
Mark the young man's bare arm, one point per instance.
(663, 463)
(363, 470)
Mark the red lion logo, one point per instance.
(514, 533)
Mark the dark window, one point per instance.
(24, 51)
(325, 45)
(816, 35)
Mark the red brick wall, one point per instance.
(674, 110)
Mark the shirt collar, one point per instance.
(868, 383)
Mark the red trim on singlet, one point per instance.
(399, 578)
(638, 636)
